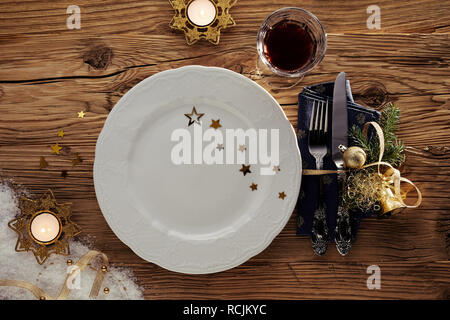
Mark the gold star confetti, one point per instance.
(245, 169)
(242, 148)
(43, 163)
(56, 148)
(64, 173)
(281, 195)
(65, 150)
(191, 115)
(211, 32)
(215, 124)
(81, 114)
(61, 133)
(220, 147)
(254, 187)
(77, 160)
(276, 169)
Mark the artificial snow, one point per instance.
(51, 275)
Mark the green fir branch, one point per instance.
(394, 148)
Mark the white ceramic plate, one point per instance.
(192, 218)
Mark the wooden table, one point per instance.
(48, 73)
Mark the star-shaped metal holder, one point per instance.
(193, 32)
(22, 225)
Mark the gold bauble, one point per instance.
(106, 290)
(104, 268)
(354, 157)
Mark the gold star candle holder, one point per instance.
(193, 19)
(44, 227)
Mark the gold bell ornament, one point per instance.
(392, 195)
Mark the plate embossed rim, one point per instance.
(164, 250)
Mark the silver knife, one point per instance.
(338, 142)
(340, 123)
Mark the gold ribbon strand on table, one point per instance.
(65, 290)
(391, 178)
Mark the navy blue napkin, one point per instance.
(309, 192)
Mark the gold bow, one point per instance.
(393, 196)
(391, 177)
(65, 290)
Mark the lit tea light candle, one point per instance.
(45, 227)
(201, 12)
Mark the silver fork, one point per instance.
(318, 132)
(317, 144)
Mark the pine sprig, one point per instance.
(389, 121)
(394, 148)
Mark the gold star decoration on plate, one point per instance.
(28, 209)
(81, 114)
(43, 163)
(215, 124)
(56, 148)
(254, 187)
(245, 169)
(242, 147)
(211, 32)
(281, 195)
(220, 147)
(191, 115)
(61, 133)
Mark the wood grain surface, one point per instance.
(49, 73)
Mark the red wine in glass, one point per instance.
(288, 45)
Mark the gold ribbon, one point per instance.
(391, 177)
(314, 172)
(65, 290)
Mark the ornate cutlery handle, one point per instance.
(343, 232)
(319, 159)
(319, 232)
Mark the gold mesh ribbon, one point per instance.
(65, 290)
(391, 177)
